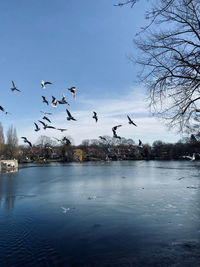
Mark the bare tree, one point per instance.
(170, 61)
(2, 139)
(11, 148)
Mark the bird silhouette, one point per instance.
(47, 119)
(63, 100)
(44, 124)
(130, 121)
(36, 127)
(43, 83)
(70, 116)
(45, 113)
(95, 116)
(73, 91)
(44, 100)
(115, 135)
(50, 127)
(102, 138)
(14, 88)
(66, 141)
(2, 109)
(114, 129)
(26, 141)
(140, 143)
(61, 129)
(54, 102)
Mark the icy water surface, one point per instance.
(125, 213)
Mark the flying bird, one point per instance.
(26, 141)
(140, 143)
(46, 113)
(70, 116)
(63, 100)
(2, 109)
(54, 102)
(115, 135)
(73, 91)
(130, 121)
(66, 141)
(61, 129)
(43, 83)
(102, 138)
(95, 116)
(14, 88)
(50, 127)
(114, 129)
(47, 119)
(36, 127)
(44, 100)
(44, 125)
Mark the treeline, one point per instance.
(108, 148)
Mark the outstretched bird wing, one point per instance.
(47, 83)
(2, 109)
(36, 126)
(47, 119)
(14, 86)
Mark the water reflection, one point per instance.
(111, 214)
(8, 187)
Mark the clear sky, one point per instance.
(83, 43)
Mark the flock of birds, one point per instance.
(54, 103)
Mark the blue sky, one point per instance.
(82, 43)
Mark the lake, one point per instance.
(122, 213)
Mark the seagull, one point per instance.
(43, 83)
(140, 143)
(69, 116)
(37, 128)
(47, 119)
(46, 113)
(114, 129)
(14, 88)
(50, 127)
(130, 121)
(63, 100)
(66, 141)
(61, 129)
(26, 141)
(115, 135)
(95, 116)
(44, 100)
(189, 157)
(102, 138)
(65, 209)
(2, 109)
(44, 125)
(73, 91)
(57, 139)
(54, 102)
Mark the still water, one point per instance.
(125, 213)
